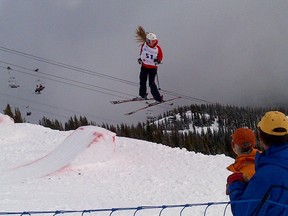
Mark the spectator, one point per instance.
(243, 143)
(270, 182)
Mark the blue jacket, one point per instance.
(269, 184)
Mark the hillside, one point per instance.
(202, 128)
(136, 173)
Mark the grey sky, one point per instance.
(223, 51)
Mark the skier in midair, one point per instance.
(150, 57)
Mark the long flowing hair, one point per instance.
(140, 35)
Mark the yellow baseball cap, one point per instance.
(274, 123)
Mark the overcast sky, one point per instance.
(221, 51)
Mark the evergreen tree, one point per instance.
(18, 117)
(191, 127)
(8, 111)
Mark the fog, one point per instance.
(228, 52)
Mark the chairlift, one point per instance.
(28, 112)
(12, 80)
(40, 85)
(150, 116)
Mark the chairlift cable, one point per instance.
(54, 108)
(93, 73)
(67, 66)
(77, 82)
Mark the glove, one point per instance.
(157, 61)
(236, 176)
(139, 61)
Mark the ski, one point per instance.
(152, 104)
(130, 100)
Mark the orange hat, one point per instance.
(244, 137)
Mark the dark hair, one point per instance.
(272, 139)
(246, 147)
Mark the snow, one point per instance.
(91, 168)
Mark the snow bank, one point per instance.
(5, 120)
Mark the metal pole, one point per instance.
(158, 82)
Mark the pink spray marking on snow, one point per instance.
(87, 144)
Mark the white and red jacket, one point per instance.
(149, 54)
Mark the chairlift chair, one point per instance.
(28, 112)
(149, 116)
(12, 82)
(40, 86)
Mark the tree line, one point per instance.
(204, 128)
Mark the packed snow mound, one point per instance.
(100, 149)
(5, 119)
(88, 144)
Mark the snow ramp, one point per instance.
(77, 145)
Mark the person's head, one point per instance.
(273, 129)
(243, 140)
(151, 40)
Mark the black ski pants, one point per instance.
(148, 73)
